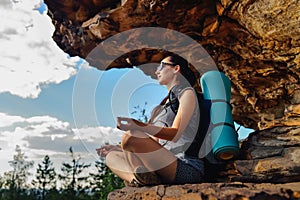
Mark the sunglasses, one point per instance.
(163, 64)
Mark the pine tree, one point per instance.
(73, 179)
(1, 186)
(15, 181)
(45, 178)
(1, 182)
(104, 181)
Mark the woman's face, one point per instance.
(165, 71)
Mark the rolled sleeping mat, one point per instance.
(216, 87)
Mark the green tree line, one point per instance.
(75, 180)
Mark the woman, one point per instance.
(153, 153)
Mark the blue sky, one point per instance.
(56, 99)
(49, 101)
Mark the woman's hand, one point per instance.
(125, 124)
(104, 150)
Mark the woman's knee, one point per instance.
(131, 139)
(112, 158)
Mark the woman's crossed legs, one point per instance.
(139, 149)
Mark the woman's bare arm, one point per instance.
(183, 116)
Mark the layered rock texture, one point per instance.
(235, 190)
(256, 43)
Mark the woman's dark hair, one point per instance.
(186, 72)
(189, 78)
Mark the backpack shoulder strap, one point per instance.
(173, 97)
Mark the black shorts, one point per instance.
(186, 173)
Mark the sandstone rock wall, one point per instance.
(256, 43)
(272, 155)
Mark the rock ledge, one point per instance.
(211, 191)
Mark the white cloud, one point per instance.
(6, 120)
(102, 134)
(45, 135)
(86, 65)
(29, 56)
(5, 4)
